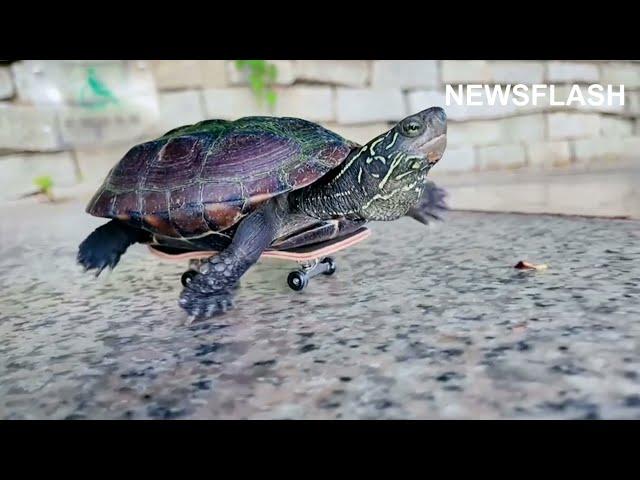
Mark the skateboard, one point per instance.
(312, 260)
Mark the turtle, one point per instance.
(259, 182)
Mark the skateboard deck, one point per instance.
(301, 254)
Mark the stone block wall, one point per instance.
(358, 99)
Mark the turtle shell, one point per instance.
(205, 177)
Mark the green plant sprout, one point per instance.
(45, 186)
(262, 76)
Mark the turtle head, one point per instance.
(396, 163)
(422, 135)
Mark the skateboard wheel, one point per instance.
(331, 266)
(187, 277)
(297, 280)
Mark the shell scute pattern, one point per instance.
(125, 175)
(175, 163)
(205, 177)
(265, 153)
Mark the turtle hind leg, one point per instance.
(431, 205)
(104, 247)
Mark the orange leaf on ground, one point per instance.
(522, 265)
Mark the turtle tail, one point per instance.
(104, 247)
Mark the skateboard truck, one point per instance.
(298, 279)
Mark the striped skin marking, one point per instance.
(395, 137)
(375, 175)
(346, 167)
(391, 194)
(360, 175)
(373, 152)
(380, 158)
(394, 164)
(415, 166)
(402, 175)
(339, 194)
(406, 188)
(378, 196)
(371, 148)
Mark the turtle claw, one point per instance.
(200, 306)
(88, 261)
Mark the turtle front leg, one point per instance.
(210, 292)
(431, 204)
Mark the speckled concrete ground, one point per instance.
(417, 323)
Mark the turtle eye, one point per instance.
(412, 127)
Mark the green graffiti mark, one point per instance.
(95, 95)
